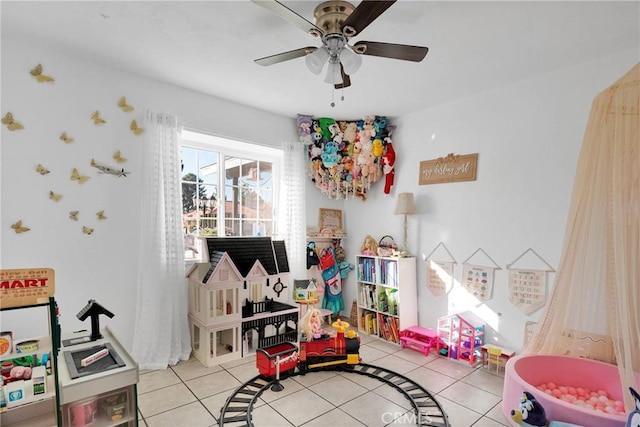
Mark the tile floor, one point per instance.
(191, 395)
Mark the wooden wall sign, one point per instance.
(453, 168)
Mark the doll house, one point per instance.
(237, 301)
(460, 337)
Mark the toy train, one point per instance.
(327, 352)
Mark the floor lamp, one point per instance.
(405, 205)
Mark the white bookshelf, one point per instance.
(387, 295)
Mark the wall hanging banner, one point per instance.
(439, 277)
(527, 289)
(346, 157)
(478, 281)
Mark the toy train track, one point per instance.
(237, 409)
(428, 412)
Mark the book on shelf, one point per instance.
(366, 269)
(389, 273)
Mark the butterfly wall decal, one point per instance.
(55, 196)
(101, 215)
(19, 228)
(124, 106)
(118, 157)
(75, 176)
(66, 138)
(135, 129)
(87, 230)
(37, 73)
(74, 215)
(42, 170)
(11, 123)
(97, 119)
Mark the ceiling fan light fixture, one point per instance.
(316, 60)
(350, 61)
(334, 76)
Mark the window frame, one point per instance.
(205, 141)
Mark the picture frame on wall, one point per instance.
(330, 219)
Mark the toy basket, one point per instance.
(386, 246)
(354, 313)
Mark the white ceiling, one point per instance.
(209, 46)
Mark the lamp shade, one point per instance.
(350, 60)
(316, 60)
(405, 204)
(334, 76)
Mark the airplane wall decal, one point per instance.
(102, 168)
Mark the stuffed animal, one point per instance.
(380, 124)
(388, 160)
(369, 127)
(529, 413)
(350, 132)
(325, 123)
(330, 155)
(634, 416)
(378, 148)
(304, 128)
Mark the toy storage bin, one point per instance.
(114, 406)
(82, 413)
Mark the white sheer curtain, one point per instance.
(292, 215)
(161, 335)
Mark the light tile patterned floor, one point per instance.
(190, 395)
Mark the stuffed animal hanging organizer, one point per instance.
(346, 157)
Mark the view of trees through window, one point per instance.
(225, 191)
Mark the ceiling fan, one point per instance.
(336, 21)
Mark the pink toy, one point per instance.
(587, 377)
(418, 338)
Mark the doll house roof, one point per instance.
(245, 252)
(221, 269)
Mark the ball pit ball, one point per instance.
(585, 398)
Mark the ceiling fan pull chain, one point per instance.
(333, 93)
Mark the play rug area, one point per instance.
(426, 411)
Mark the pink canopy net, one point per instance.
(594, 310)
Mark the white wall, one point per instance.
(102, 266)
(528, 136)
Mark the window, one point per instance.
(228, 188)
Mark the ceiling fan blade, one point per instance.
(290, 16)
(346, 80)
(391, 50)
(285, 56)
(363, 15)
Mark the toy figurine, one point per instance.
(369, 246)
(311, 324)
